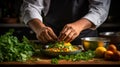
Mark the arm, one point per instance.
(31, 15)
(98, 11)
(31, 9)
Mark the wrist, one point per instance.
(35, 25)
(84, 24)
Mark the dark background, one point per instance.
(10, 18)
(113, 21)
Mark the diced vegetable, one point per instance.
(61, 47)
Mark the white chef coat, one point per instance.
(98, 10)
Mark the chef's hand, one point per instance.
(72, 30)
(69, 33)
(43, 33)
(46, 35)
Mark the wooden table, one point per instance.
(43, 61)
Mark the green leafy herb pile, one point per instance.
(87, 55)
(11, 49)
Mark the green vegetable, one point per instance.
(11, 49)
(77, 57)
(54, 61)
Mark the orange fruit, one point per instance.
(100, 51)
(116, 56)
(100, 44)
(108, 55)
(112, 48)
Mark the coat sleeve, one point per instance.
(98, 11)
(31, 9)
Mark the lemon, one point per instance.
(86, 45)
(67, 43)
(100, 51)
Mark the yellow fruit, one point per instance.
(100, 51)
(86, 45)
(67, 43)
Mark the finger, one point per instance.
(64, 34)
(38, 38)
(45, 36)
(41, 38)
(61, 37)
(61, 33)
(71, 38)
(52, 34)
(45, 40)
(48, 37)
(70, 35)
(65, 29)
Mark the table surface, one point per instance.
(39, 60)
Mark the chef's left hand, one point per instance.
(69, 32)
(72, 30)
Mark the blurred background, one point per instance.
(10, 18)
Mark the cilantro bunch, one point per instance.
(11, 49)
(87, 55)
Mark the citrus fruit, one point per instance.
(100, 51)
(112, 48)
(108, 55)
(86, 45)
(116, 56)
(100, 44)
(67, 43)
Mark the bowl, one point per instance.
(56, 54)
(113, 36)
(91, 43)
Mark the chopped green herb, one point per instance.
(54, 61)
(11, 49)
(87, 55)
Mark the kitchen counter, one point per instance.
(48, 61)
(40, 60)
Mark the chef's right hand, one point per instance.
(45, 35)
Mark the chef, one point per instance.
(64, 20)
